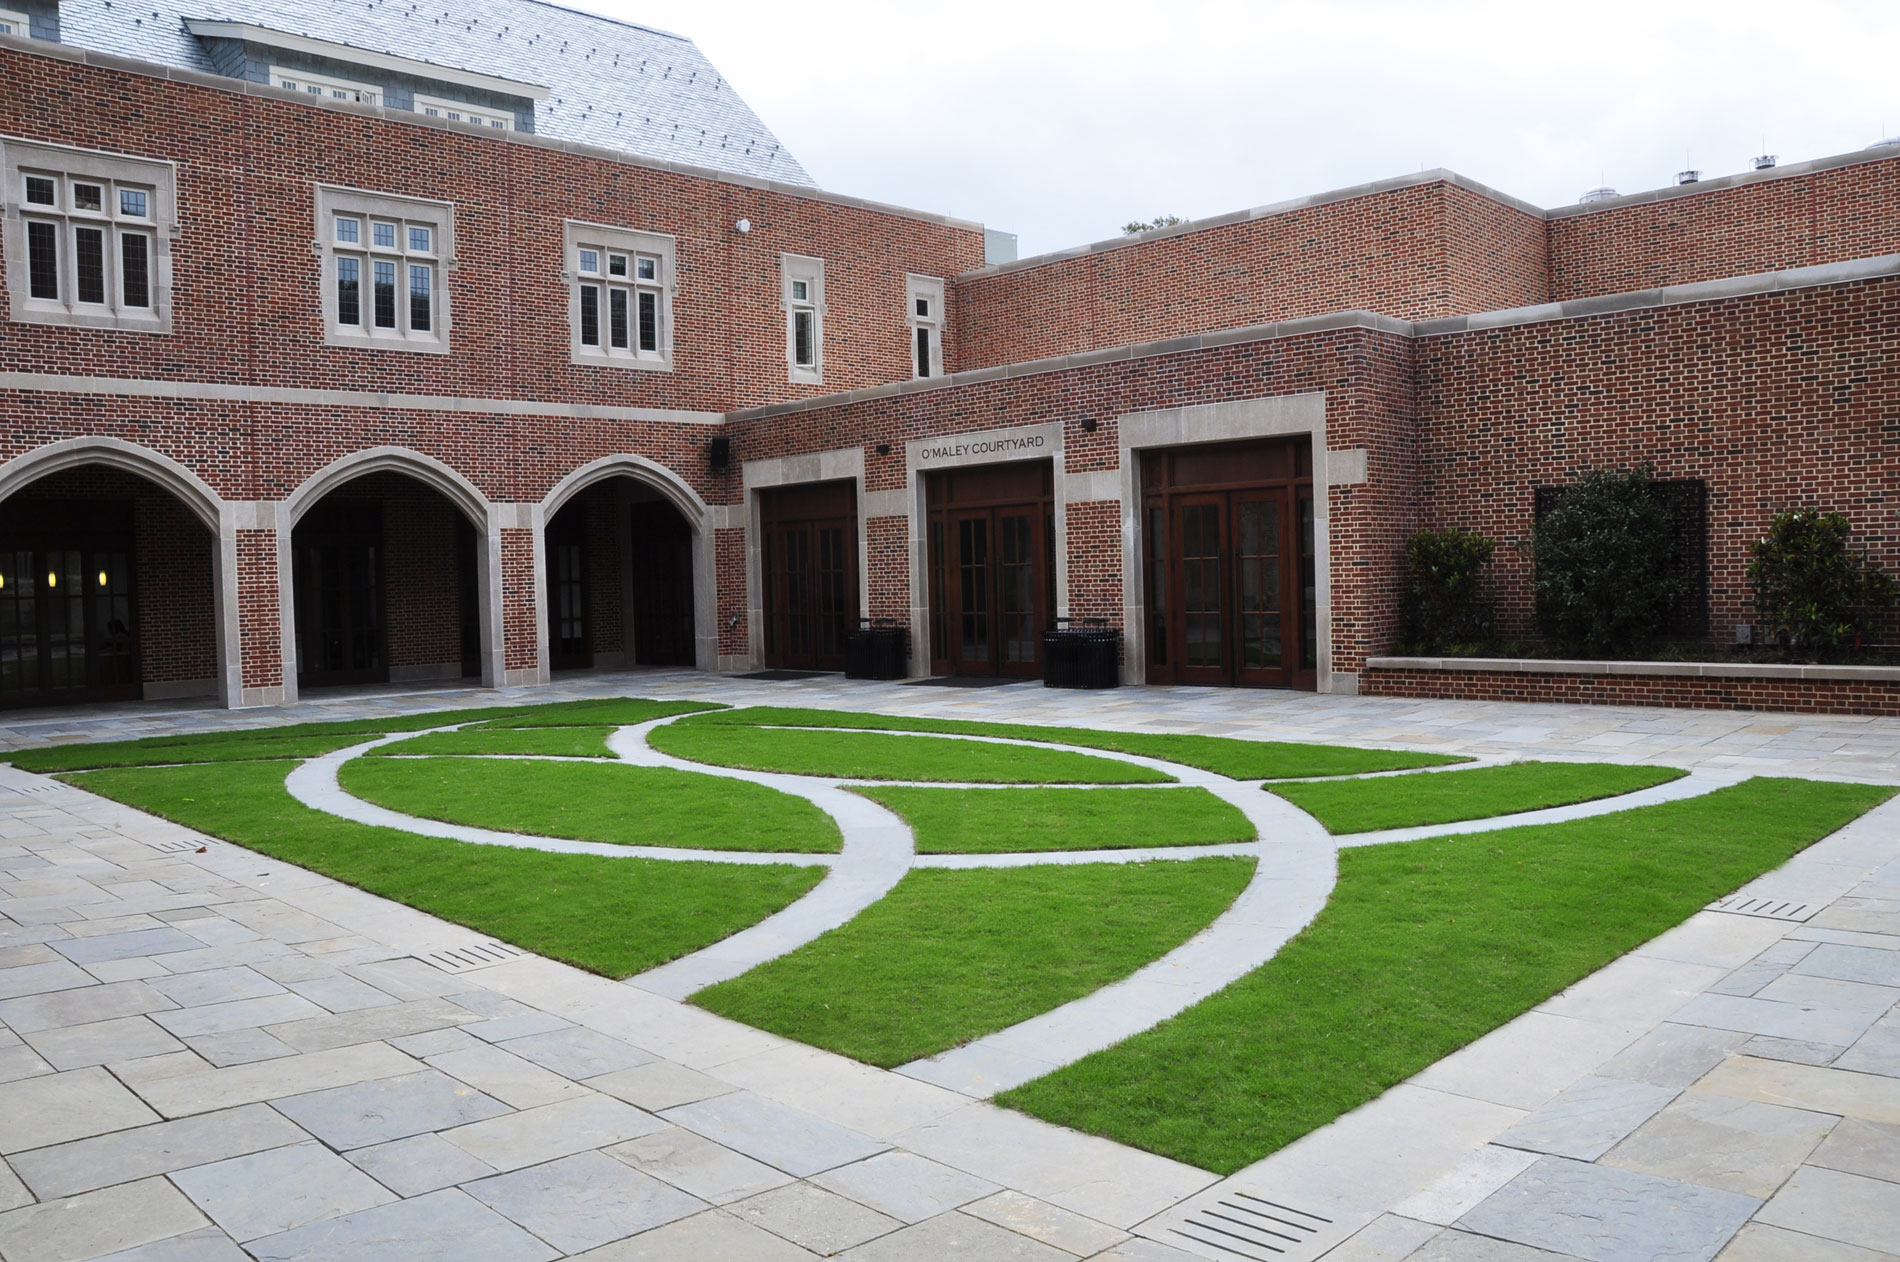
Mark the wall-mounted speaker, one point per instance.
(719, 453)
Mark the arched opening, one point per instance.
(385, 584)
(108, 588)
(621, 566)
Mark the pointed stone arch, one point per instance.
(429, 471)
(218, 515)
(685, 500)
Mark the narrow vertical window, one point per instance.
(804, 345)
(617, 304)
(89, 264)
(135, 269)
(649, 321)
(42, 259)
(923, 352)
(590, 315)
(419, 278)
(349, 292)
(385, 295)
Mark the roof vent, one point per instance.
(1602, 193)
(1881, 144)
(1764, 162)
(1688, 177)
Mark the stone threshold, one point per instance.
(1705, 670)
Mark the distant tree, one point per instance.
(1136, 227)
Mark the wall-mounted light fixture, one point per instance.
(742, 227)
(102, 578)
(1088, 426)
(883, 449)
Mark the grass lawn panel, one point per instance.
(1364, 806)
(612, 802)
(1222, 755)
(566, 742)
(309, 740)
(1424, 947)
(951, 955)
(874, 756)
(1014, 821)
(610, 916)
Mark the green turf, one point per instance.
(1005, 821)
(1444, 797)
(308, 740)
(1423, 947)
(609, 915)
(875, 756)
(1226, 756)
(612, 802)
(565, 742)
(948, 956)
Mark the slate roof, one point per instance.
(612, 84)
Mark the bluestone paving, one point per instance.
(532, 1136)
(122, 1038)
(97, 1223)
(1051, 1224)
(712, 1172)
(1586, 1120)
(118, 946)
(264, 1193)
(445, 1226)
(376, 1112)
(349, 954)
(55, 1108)
(1607, 1215)
(1836, 1205)
(207, 1244)
(774, 1133)
(238, 1014)
(123, 1156)
(585, 1200)
(40, 977)
(1858, 1147)
(1759, 1242)
(813, 1218)
(13, 1193)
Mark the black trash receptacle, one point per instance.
(878, 651)
(1081, 656)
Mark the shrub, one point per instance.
(1445, 600)
(1814, 592)
(1605, 582)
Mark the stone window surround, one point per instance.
(932, 289)
(632, 241)
(837, 465)
(794, 267)
(158, 175)
(333, 200)
(21, 23)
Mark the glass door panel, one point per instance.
(1016, 590)
(799, 648)
(19, 624)
(835, 599)
(1201, 578)
(1259, 581)
(972, 615)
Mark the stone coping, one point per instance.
(1706, 670)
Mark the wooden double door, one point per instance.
(808, 568)
(992, 568)
(338, 560)
(1228, 548)
(68, 624)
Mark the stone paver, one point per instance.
(1726, 1090)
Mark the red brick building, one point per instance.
(330, 362)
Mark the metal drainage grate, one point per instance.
(1250, 1227)
(468, 958)
(180, 847)
(1765, 908)
(37, 785)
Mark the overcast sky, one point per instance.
(1061, 121)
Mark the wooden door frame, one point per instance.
(1283, 498)
(1223, 569)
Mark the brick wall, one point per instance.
(247, 294)
(1822, 696)
(422, 609)
(1786, 400)
(1415, 252)
(1827, 216)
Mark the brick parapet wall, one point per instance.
(1829, 215)
(246, 297)
(1667, 691)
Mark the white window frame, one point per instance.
(22, 24)
(327, 87)
(793, 269)
(368, 209)
(608, 242)
(929, 323)
(65, 165)
(462, 112)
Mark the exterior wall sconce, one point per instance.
(742, 227)
(883, 449)
(1089, 426)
